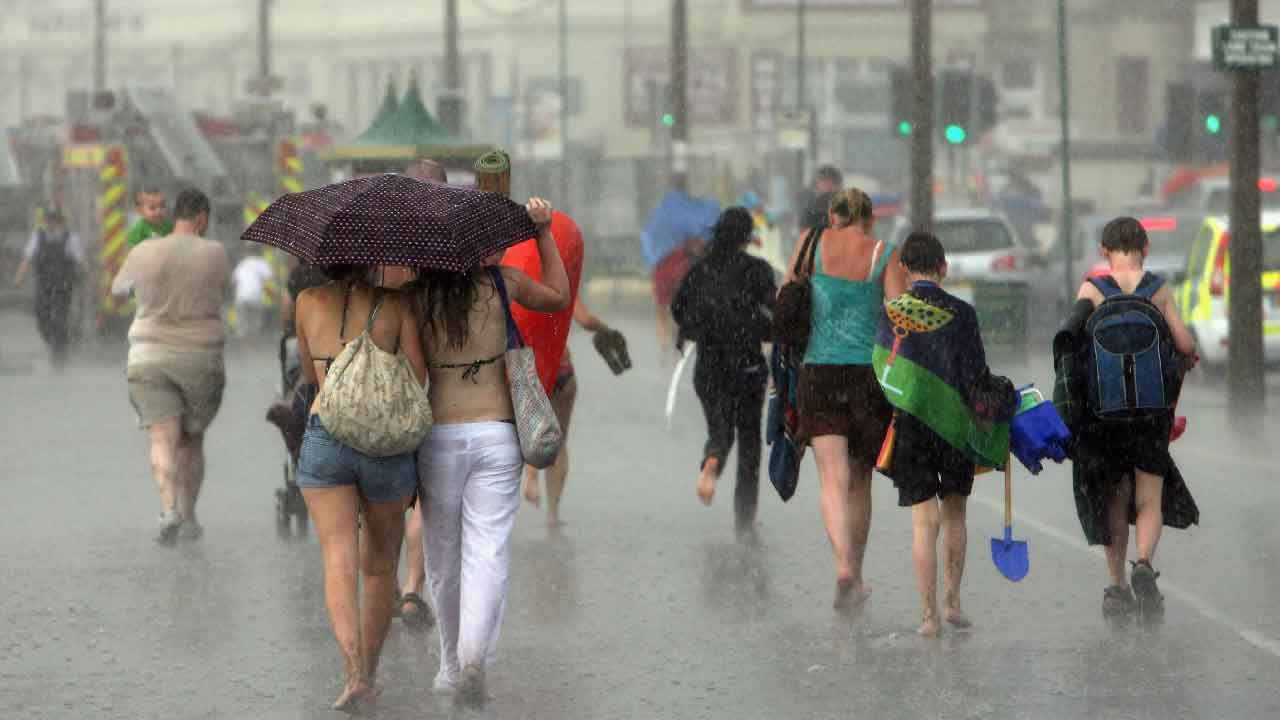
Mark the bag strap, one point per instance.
(1149, 286)
(808, 252)
(1107, 286)
(378, 297)
(514, 340)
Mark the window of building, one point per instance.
(1133, 94)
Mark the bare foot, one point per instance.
(930, 626)
(850, 596)
(357, 694)
(956, 617)
(707, 480)
(531, 490)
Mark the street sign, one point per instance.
(1238, 47)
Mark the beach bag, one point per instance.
(536, 423)
(372, 401)
(1131, 364)
(786, 450)
(793, 313)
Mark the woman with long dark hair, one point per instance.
(725, 304)
(341, 484)
(470, 463)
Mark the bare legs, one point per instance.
(177, 465)
(926, 523)
(415, 558)
(1147, 491)
(359, 623)
(562, 402)
(846, 511)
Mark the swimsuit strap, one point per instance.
(876, 259)
(346, 302)
(472, 368)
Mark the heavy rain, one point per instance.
(639, 358)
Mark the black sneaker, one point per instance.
(1118, 605)
(1150, 601)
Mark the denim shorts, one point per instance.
(326, 463)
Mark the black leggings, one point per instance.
(732, 387)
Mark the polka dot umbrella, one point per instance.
(392, 220)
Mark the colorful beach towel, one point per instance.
(928, 357)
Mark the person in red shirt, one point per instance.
(548, 333)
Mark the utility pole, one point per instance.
(802, 52)
(802, 96)
(564, 103)
(922, 114)
(1246, 384)
(451, 103)
(264, 46)
(1064, 103)
(679, 89)
(99, 46)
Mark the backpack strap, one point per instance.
(514, 340)
(1106, 285)
(346, 303)
(1149, 286)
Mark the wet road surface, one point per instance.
(643, 606)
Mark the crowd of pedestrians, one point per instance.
(892, 376)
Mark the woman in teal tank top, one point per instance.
(842, 410)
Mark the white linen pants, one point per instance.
(470, 475)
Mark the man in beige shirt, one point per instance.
(175, 369)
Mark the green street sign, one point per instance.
(1237, 47)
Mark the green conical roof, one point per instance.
(380, 130)
(413, 123)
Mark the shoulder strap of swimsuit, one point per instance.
(513, 332)
(346, 302)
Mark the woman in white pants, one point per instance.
(470, 463)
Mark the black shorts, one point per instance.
(844, 400)
(925, 466)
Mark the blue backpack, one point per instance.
(1130, 356)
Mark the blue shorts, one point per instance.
(326, 463)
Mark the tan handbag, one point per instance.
(372, 401)
(536, 423)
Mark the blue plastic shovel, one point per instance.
(1009, 555)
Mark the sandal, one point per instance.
(1118, 604)
(421, 616)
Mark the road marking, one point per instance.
(1249, 635)
(1180, 448)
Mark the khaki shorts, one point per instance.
(186, 388)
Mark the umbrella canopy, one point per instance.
(676, 219)
(392, 220)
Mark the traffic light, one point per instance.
(955, 105)
(966, 105)
(900, 101)
(1211, 111)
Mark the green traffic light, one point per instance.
(955, 134)
(668, 120)
(904, 128)
(1213, 124)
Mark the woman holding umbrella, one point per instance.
(470, 463)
